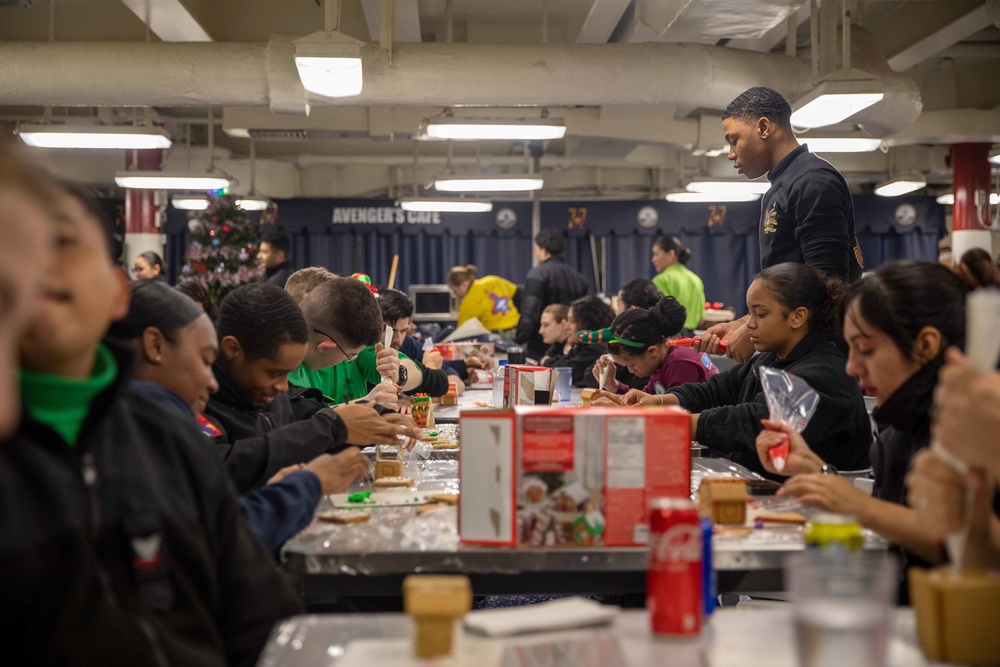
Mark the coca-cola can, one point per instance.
(674, 579)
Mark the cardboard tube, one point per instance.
(392, 271)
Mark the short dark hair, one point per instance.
(94, 209)
(670, 242)
(551, 240)
(154, 304)
(154, 260)
(277, 239)
(591, 313)
(902, 297)
(641, 293)
(650, 327)
(199, 293)
(262, 317)
(394, 305)
(760, 102)
(346, 307)
(795, 285)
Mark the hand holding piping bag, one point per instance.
(983, 347)
(792, 403)
(386, 345)
(692, 342)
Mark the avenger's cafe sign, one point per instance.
(383, 215)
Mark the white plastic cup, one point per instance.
(564, 383)
(842, 606)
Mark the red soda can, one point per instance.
(674, 579)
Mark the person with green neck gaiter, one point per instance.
(25, 254)
(122, 540)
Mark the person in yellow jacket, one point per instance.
(490, 298)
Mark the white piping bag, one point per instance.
(386, 344)
(607, 372)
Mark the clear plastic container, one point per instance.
(498, 377)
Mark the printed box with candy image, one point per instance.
(540, 476)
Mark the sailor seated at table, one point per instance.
(792, 324)
(262, 427)
(898, 322)
(585, 314)
(397, 309)
(344, 358)
(637, 340)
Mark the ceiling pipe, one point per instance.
(193, 74)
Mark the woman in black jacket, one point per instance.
(792, 320)
(898, 323)
(586, 314)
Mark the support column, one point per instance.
(142, 214)
(971, 186)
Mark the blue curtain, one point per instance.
(725, 250)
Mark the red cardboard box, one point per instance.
(543, 476)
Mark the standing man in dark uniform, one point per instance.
(806, 216)
(275, 247)
(552, 281)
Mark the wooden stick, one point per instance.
(392, 271)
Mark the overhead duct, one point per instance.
(185, 74)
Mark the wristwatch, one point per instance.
(828, 469)
(402, 375)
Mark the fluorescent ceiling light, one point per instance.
(201, 203)
(93, 136)
(728, 187)
(841, 144)
(329, 64)
(836, 98)
(189, 203)
(949, 199)
(446, 205)
(708, 197)
(488, 183)
(995, 154)
(520, 129)
(901, 185)
(165, 180)
(252, 203)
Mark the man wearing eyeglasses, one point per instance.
(344, 359)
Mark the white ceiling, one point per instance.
(639, 106)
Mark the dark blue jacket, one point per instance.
(807, 216)
(128, 548)
(276, 512)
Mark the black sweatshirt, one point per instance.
(129, 548)
(552, 281)
(258, 442)
(807, 216)
(731, 405)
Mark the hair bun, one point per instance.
(670, 315)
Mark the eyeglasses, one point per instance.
(350, 357)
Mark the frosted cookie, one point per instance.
(344, 516)
(393, 481)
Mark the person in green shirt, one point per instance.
(670, 258)
(344, 359)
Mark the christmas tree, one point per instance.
(222, 254)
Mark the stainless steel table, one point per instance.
(741, 637)
(334, 561)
